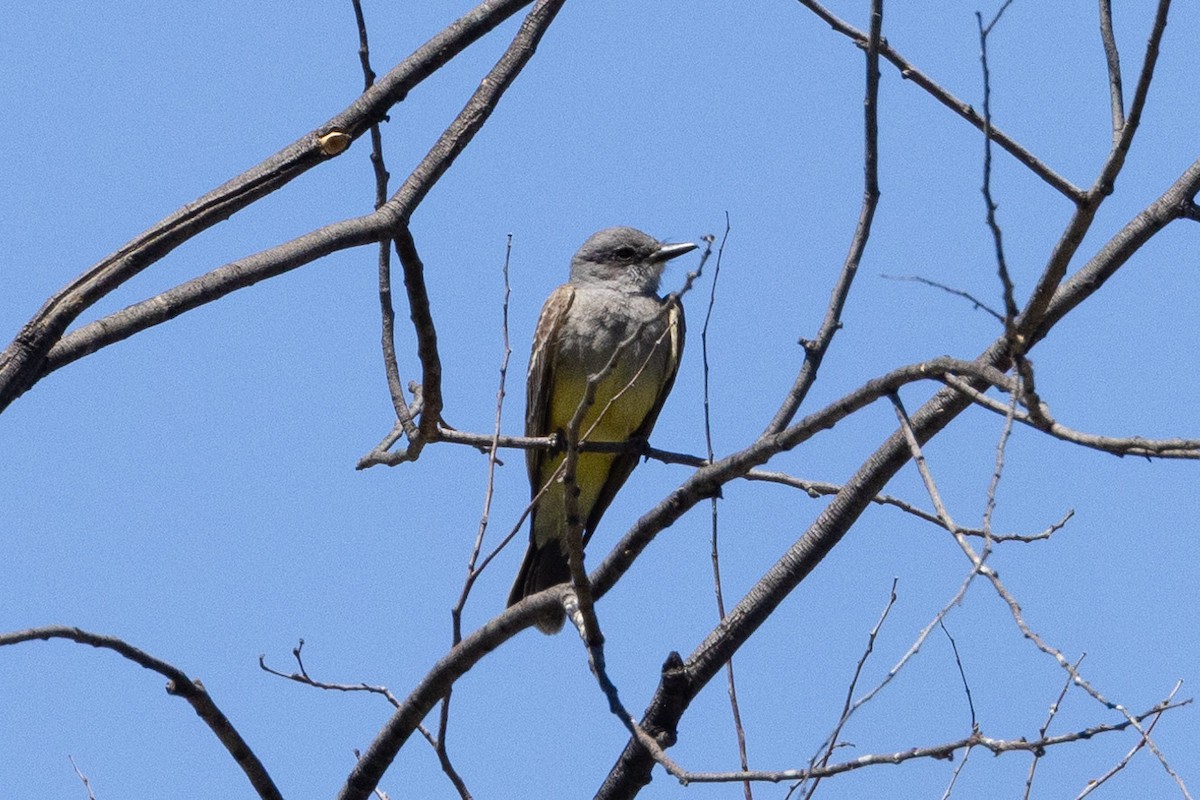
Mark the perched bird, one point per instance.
(610, 305)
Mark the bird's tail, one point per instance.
(544, 566)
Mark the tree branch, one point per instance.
(939, 752)
(814, 351)
(1113, 57)
(673, 696)
(1064, 250)
(386, 222)
(178, 684)
(964, 110)
(24, 361)
(1126, 446)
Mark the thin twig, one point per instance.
(302, 677)
(978, 565)
(915, 647)
(474, 568)
(1096, 783)
(730, 683)
(473, 572)
(1054, 707)
(815, 349)
(998, 470)
(1113, 57)
(404, 414)
(87, 785)
(962, 673)
(826, 489)
(1010, 303)
(940, 752)
(979, 304)
(958, 769)
(910, 72)
(1118, 446)
(848, 705)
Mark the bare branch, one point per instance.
(814, 350)
(303, 677)
(36, 351)
(1006, 284)
(1119, 446)
(962, 673)
(434, 685)
(848, 706)
(1113, 57)
(979, 304)
(87, 785)
(1140, 92)
(1116, 252)
(383, 223)
(1038, 305)
(493, 460)
(940, 752)
(998, 469)
(1037, 756)
(422, 319)
(404, 414)
(978, 565)
(1096, 783)
(964, 110)
(673, 696)
(730, 683)
(178, 684)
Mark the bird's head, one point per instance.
(624, 259)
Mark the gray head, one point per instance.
(624, 259)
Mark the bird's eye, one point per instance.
(624, 253)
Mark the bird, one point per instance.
(609, 305)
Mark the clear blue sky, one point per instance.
(192, 490)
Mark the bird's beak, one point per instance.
(668, 251)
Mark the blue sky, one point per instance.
(193, 491)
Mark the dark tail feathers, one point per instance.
(543, 567)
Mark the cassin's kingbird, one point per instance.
(611, 297)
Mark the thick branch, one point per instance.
(385, 222)
(23, 363)
(1081, 220)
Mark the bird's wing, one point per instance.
(624, 463)
(541, 376)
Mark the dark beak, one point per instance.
(668, 251)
